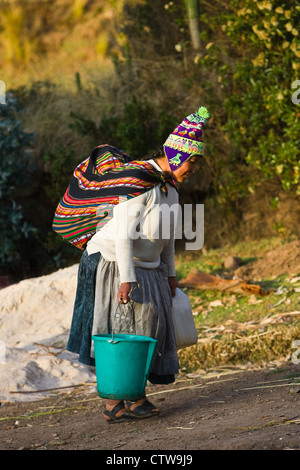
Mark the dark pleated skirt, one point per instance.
(81, 327)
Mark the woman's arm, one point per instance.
(124, 291)
(173, 283)
(127, 215)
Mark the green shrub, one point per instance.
(138, 129)
(13, 173)
(254, 56)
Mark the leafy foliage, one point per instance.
(138, 130)
(13, 166)
(255, 61)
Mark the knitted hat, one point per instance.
(186, 140)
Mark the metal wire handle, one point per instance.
(114, 316)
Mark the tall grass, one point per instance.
(48, 111)
(52, 39)
(17, 46)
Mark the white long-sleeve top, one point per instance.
(140, 232)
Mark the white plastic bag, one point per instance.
(184, 325)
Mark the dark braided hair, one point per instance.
(158, 153)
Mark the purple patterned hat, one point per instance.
(186, 140)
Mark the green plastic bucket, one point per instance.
(123, 364)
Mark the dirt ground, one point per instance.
(239, 409)
(226, 409)
(284, 259)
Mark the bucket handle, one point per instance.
(112, 340)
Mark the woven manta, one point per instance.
(106, 178)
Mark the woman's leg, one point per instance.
(110, 406)
(118, 411)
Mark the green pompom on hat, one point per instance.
(203, 114)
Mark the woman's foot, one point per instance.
(141, 409)
(114, 410)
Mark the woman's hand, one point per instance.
(173, 284)
(123, 293)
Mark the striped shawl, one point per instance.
(100, 182)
